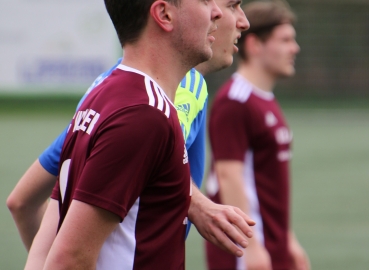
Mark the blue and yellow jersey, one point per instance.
(190, 101)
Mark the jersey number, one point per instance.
(63, 177)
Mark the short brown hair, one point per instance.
(129, 17)
(263, 17)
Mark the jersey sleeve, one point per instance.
(228, 130)
(50, 158)
(128, 150)
(196, 150)
(191, 104)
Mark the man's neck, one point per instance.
(257, 76)
(160, 66)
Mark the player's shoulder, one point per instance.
(233, 97)
(236, 89)
(137, 88)
(193, 86)
(103, 76)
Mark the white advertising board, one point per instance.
(54, 45)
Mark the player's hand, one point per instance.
(299, 258)
(257, 257)
(224, 226)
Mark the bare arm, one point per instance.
(218, 223)
(232, 192)
(28, 201)
(83, 221)
(44, 237)
(299, 258)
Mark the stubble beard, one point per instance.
(190, 54)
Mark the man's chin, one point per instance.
(288, 73)
(223, 63)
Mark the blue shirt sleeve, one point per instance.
(50, 158)
(196, 150)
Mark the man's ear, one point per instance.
(162, 13)
(253, 44)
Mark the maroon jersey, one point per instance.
(246, 124)
(124, 152)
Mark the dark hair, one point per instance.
(130, 17)
(263, 17)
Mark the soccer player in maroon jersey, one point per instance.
(124, 188)
(250, 142)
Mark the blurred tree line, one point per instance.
(334, 57)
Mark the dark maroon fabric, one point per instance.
(134, 150)
(243, 119)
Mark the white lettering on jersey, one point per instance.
(270, 119)
(185, 221)
(185, 156)
(77, 120)
(85, 120)
(283, 136)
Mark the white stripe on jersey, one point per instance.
(166, 100)
(118, 250)
(149, 91)
(239, 91)
(160, 94)
(252, 195)
(160, 98)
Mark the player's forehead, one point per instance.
(283, 31)
(225, 3)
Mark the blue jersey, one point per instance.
(191, 104)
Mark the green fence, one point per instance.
(334, 57)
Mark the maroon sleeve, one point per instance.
(127, 150)
(228, 130)
(56, 191)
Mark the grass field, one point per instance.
(330, 172)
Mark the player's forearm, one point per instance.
(222, 225)
(27, 201)
(67, 261)
(81, 237)
(28, 223)
(231, 187)
(197, 200)
(231, 184)
(44, 237)
(233, 194)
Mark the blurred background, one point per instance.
(51, 51)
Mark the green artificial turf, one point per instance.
(330, 171)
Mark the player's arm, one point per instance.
(44, 237)
(222, 225)
(78, 242)
(231, 188)
(229, 128)
(28, 201)
(299, 258)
